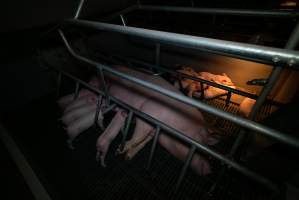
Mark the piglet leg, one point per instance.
(109, 134)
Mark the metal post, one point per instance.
(104, 84)
(98, 109)
(186, 165)
(123, 20)
(192, 3)
(77, 87)
(155, 141)
(78, 11)
(128, 123)
(157, 59)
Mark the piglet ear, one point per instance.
(224, 74)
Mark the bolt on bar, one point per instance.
(179, 135)
(223, 11)
(200, 105)
(267, 55)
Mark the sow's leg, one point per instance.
(142, 135)
(109, 134)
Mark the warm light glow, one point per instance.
(289, 3)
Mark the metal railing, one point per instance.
(275, 56)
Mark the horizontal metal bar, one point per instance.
(254, 126)
(179, 135)
(268, 55)
(179, 74)
(223, 11)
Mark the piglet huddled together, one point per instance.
(79, 115)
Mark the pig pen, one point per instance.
(162, 176)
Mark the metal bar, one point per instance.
(202, 96)
(104, 84)
(122, 12)
(192, 3)
(267, 55)
(128, 123)
(78, 11)
(228, 97)
(122, 20)
(98, 108)
(155, 141)
(185, 167)
(223, 11)
(158, 49)
(254, 126)
(76, 90)
(30, 177)
(181, 136)
(58, 84)
(291, 44)
(109, 109)
(178, 74)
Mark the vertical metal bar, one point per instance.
(99, 103)
(123, 20)
(158, 48)
(78, 11)
(76, 90)
(186, 165)
(104, 85)
(192, 3)
(228, 97)
(58, 84)
(157, 58)
(202, 96)
(157, 132)
(291, 44)
(128, 122)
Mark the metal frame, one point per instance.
(274, 56)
